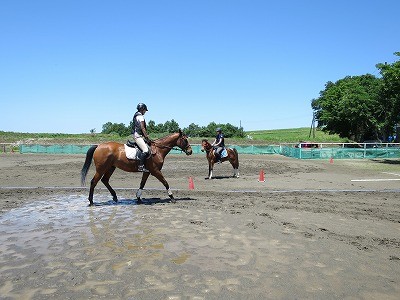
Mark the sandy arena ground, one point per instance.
(312, 230)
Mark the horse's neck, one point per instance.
(169, 140)
(167, 143)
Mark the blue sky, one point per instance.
(70, 66)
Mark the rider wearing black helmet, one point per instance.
(218, 144)
(140, 135)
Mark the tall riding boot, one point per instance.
(142, 161)
(218, 157)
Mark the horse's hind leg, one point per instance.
(93, 184)
(235, 170)
(236, 173)
(235, 164)
(105, 180)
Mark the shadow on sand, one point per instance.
(219, 177)
(150, 201)
(388, 161)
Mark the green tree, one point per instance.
(171, 126)
(231, 131)
(350, 107)
(159, 128)
(192, 130)
(390, 96)
(120, 129)
(151, 126)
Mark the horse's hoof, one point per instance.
(115, 199)
(172, 198)
(139, 201)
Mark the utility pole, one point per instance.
(312, 128)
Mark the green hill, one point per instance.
(276, 136)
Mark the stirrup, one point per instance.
(142, 168)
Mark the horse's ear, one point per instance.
(180, 132)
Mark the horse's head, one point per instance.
(183, 143)
(205, 145)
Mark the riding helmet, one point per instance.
(141, 106)
(218, 130)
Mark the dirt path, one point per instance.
(313, 229)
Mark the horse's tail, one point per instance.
(88, 162)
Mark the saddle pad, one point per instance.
(224, 153)
(130, 152)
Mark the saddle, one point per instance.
(132, 144)
(133, 151)
(223, 154)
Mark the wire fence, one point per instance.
(341, 150)
(295, 150)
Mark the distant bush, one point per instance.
(193, 130)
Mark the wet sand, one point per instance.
(312, 230)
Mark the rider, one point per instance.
(218, 144)
(140, 135)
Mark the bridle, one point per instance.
(209, 147)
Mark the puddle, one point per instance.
(42, 225)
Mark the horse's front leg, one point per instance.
(142, 184)
(161, 178)
(210, 169)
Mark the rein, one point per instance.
(168, 147)
(165, 146)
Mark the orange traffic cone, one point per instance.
(191, 184)
(261, 178)
(331, 160)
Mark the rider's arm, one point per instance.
(143, 126)
(219, 141)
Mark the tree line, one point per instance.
(362, 107)
(193, 130)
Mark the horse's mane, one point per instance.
(166, 137)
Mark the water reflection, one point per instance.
(45, 225)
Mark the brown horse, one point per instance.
(109, 156)
(233, 158)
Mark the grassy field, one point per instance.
(293, 135)
(253, 137)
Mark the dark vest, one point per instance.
(136, 124)
(218, 138)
